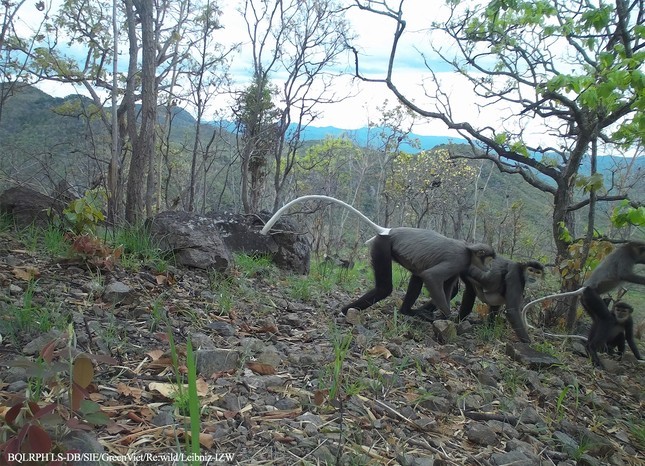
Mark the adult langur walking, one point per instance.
(433, 259)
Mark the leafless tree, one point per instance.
(295, 44)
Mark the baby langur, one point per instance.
(609, 329)
(616, 268)
(433, 259)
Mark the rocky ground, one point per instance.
(283, 380)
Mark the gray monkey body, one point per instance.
(618, 267)
(420, 250)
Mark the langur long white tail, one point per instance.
(379, 229)
(544, 298)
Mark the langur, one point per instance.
(616, 268)
(433, 259)
(609, 329)
(502, 285)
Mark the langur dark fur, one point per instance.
(502, 285)
(433, 259)
(609, 330)
(616, 268)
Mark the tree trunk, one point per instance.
(143, 146)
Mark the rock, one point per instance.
(194, 240)
(353, 316)
(223, 329)
(84, 442)
(512, 458)
(445, 331)
(202, 341)
(566, 443)
(209, 362)
(28, 207)
(464, 327)
(480, 434)
(531, 416)
(33, 347)
(118, 293)
(270, 357)
(524, 354)
(285, 244)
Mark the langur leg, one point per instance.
(414, 290)
(381, 254)
(435, 280)
(467, 300)
(602, 324)
(513, 296)
(450, 288)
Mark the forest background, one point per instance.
(574, 72)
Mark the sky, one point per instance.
(375, 35)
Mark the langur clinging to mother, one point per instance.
(433, 259)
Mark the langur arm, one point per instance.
(634, 278)
(629, 336)
(485, 278)
(467, 300)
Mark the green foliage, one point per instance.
(249, 265)
(491, 331)
(139, 248)
(340, 343)
(591, 183)
(33, 425)
(193, 403)
(55, 241)
(30, 318)
(85, 214)
(224, 288)
(574, 269)
(625, 215)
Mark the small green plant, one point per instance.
(157, 313)
(29, 317)
(559, 406)
(513, 379)
(55, 241)
(85, 214)
(300, 288)
(340, 344)
(491, 331)
(224, 288)
(30, 237)
(547, 348)
(33, 425)
(584, 446)
(139, 248)
(193, 403)
(397, 327)
(6, 222)
(250, 266)
(638, 433)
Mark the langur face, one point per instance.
(622, 311)
(533, 275)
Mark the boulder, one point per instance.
(193, 239)
(285, 244)
(28, 206)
